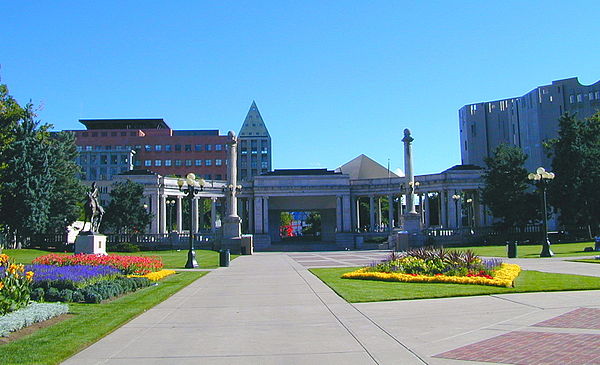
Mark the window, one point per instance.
(124, 159)
(88, 148)
(244, 163)
(104, 134)
(188, 147)
(208, 163)
(148, 163)
(218, 177)
(198, 147)
(218, 162)
(158, 147)
(103, 159)
(93, 175)
(157, 162)
(597, 94)
(132, 134)
(113, 134)
(84, 134)
(137, 163)
(123, 134)
(148, 148)
(253, 164)
(83, 159)
(571, 99)
(264, 164)
(591, 96)
(92, 159)
(198, 162)
(188, 162)
(167, 162)
(218, 147)
(94, 134)
(177, 162)
(98, 148)
(114, 159)
(208, 177)
(177, 147)
(168, 147)
(138, 147)
(579, 98)
(118, 147)
(108, 148)
(208, 147)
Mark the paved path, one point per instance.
(268, 309)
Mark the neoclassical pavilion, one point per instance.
(445, 200)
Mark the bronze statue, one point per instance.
(93, 210)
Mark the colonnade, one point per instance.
(158, 208)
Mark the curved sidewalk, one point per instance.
(268, 309)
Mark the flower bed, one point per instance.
(70, 277)
(154, 276)
(440, 266)
(33, 313)
(15, 285)
(128, 265)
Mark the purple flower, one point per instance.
(492, 263)
(76, 273)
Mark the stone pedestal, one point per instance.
(233, 244)
(412, 223)
(90, 244)
(232, 227)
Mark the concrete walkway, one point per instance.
(268, 309)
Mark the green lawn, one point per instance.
(533, 251)
(91, 322)
(589, 261)
(172, 259)
(356, 291)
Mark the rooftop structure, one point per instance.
(254, 152)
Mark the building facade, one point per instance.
(254, 151)
(525, 121)
(151, 145)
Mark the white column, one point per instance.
(443, 201)
(195, 215)
(266, 214)
(200, 214)
(346, 214)
(427, 212)
(213, 214)
(421, 210)
(153, 209)
(379, 217)
(399, 210)
(371, 213)
(408, 172)
(232, 176)
(258, 215)
(179, 214)
(390, 212)
(338, 214)
(250, 210)
(162, 214)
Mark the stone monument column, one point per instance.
(390, 212)
(179, 214)
(232, 227)
(371, 213)
(213, 214)
(412, 219)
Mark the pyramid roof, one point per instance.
(362, 167)
(253, 126)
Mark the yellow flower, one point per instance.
(154, 276)
(1, 285)
(29, 275)
(3, 259)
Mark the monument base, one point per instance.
(232, 227)
(412, 223)
(90, 244)
(233, 244)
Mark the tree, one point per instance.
(576, 163)
(506, 185)
(126, 212)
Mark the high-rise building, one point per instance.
(254, 152)
(110, 146)
(526, 121)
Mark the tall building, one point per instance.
(254, 140)
(525, 121)
(110, 146)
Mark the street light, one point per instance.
(171, 204)
(542, 178)
(471, 212)
(194, 187)
(456, 198)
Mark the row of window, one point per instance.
(105, 134)
(157, 147)
(94, 159)
(254, 164)
(148, 163)
(101, 173)
(579, 97)
(254, 151)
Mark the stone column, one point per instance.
(153, 209)
(338, 214)
(195, 215)
(179, 214)
(200, 214)
(390, 212)
(421, 210)
(258, 215)
(371, 213)
(354, 213)
(399, 210)
(408, 171)
(231, 224)
(213, 214)
(427, 212)
(443, 201)
(346, 214)
(266, 215)
(162, 223)
(379, 218)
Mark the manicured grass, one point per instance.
(91, 322)
(533, 251)
(356, 291)
(589, 261)
(172, 259)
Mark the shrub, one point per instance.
(52, 295)
(123, 247)
(66, 295)
(78, 296)
(37, 294)
(33, 313)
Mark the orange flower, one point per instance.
(1, 285)
(29, 275)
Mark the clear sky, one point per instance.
(332, 79)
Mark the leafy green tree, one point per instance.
(314, 221)
(125, 212)
(576, 163)
(26, 181)
(505, 190)
(285, 218)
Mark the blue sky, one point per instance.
(332, 79)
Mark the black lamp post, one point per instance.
(194, 187)
(456, 198)
(542, 178)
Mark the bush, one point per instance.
(78, 296)
(52, 295)
(37, 294)
(123, 247)
(112, 288)
(66, 295)
(33, 313)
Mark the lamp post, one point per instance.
(193, 188)
(542, 178)
(471, 212)
(456, 198)
(171, 205)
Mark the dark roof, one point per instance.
(204, 132)
(293, 172)
(155, 123)
(464, 168)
